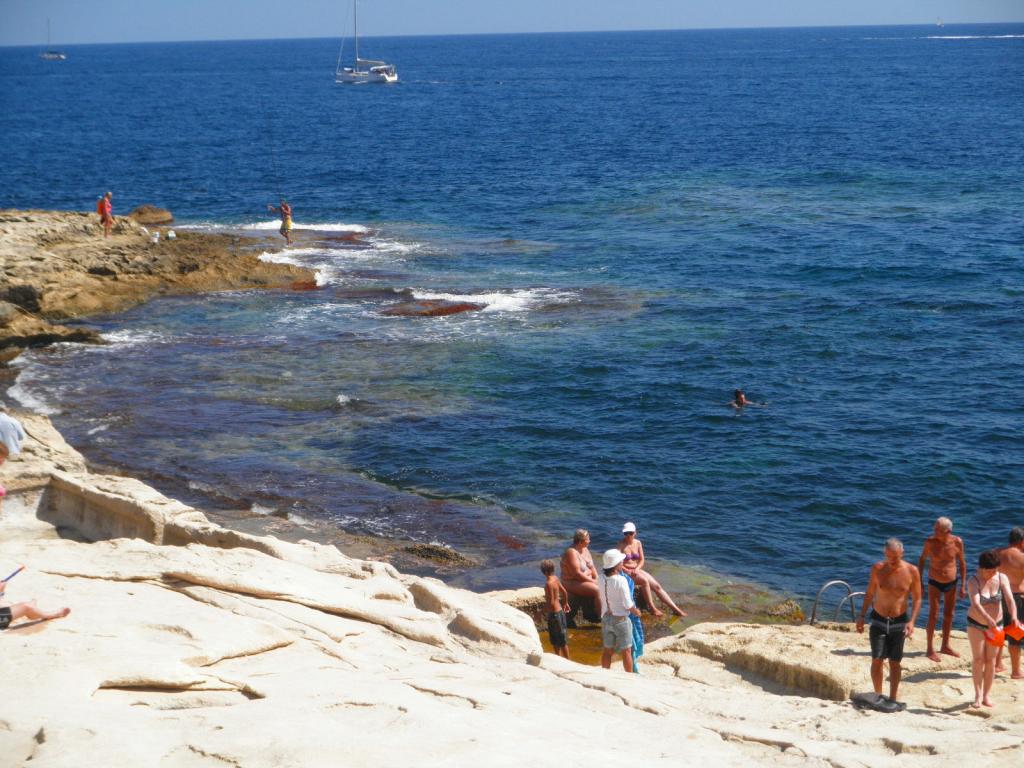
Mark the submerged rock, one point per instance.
(431, 308)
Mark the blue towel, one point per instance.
(638, 632)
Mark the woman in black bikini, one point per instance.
(633, 565)
(986, 589)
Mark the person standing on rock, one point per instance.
(1011, 563)
(989, 590)
(616, 606)
(556, 603)
(286, 219)
(105, 208)
(892, 581)
(944, 552)
(12, 434)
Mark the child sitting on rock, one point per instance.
(556, 601)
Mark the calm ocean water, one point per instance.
(828, 218)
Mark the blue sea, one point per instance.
(830, 219)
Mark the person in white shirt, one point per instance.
(11, 434)
(616, 606)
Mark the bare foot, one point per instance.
(950, 652)
(987, 702)
(934, 656)
(62, 613)
(975, 704)
(1000, 668)
(680, 613)
(1017, 676)
(656, 613)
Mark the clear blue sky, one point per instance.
(23, 22)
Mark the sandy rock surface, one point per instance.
(183, 649)
(56, 266)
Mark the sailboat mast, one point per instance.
(355, 27)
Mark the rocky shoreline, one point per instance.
(215, 647)
(56, 266)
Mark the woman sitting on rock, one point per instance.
(579, 576)
(633, 566)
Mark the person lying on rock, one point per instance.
(892, 581)
(12, 612)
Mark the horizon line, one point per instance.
(547, 32)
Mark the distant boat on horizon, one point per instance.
(50, 54)
(940, 23)
(362, 70)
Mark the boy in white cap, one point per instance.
(616, 606)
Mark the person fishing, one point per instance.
(286, 219)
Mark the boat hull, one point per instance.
(355, 78)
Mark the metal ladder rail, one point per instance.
(850, 595)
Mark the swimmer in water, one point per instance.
(739, 400)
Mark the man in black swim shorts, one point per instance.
(892, 581)
(944, 554)
(1011, 563)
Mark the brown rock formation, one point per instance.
(57, 266)
(150, 214)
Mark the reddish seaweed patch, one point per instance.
(431, 308)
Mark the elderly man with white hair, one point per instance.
(944, 553)
(892, 581)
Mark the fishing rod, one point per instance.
(273, 149)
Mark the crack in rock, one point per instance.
(446, 695)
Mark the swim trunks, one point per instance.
(286, 225)
(887, 636)
(1018, 599)
(556, 629)
(942, 586)
(5, 618)
(616, 632)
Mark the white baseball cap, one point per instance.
(629, 528)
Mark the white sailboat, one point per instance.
(50, 54)
(363, 70)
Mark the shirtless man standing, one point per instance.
(892, 580)
(1011, 563)
(945, 552)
